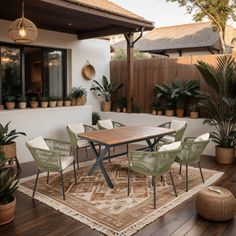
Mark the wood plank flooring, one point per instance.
(33, 218)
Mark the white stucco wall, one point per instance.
(96, 51)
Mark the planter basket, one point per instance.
(9, 150)
(225, 155)
(7, 212)
(106, 106)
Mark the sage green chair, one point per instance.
(180, 127)
(192, 149)
(154, 164)
(76, 142)
(51, 156)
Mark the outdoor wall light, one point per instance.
(23, 30)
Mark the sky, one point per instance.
(161, 12)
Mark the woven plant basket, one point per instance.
(9, 150)
(106, 106)
(215, 203)
(225, 155)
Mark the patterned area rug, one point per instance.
(111, 211)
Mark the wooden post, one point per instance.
(130, 70)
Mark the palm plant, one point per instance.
(105, 89)
(220, 102)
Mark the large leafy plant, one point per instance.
(220, 102)
(106, 88)
(8, 136)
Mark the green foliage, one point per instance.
(10, 98)
(8, 185)
(67, 98)
(95, 118)
(220, 103)
(2, 158)
(52, 98)
(33, 99)
(22, 99)
(217, 11)
(7, 136)
(44, 99)
(77, 92)
(105, 89)
(121, 102)
(136, 108)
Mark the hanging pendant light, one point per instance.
(23, 30)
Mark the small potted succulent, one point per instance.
(22, 102)
(67, 101)
(170, 109)
(8, 185)
(59, 101)
(153, 108)
(44, 102)
(34, 102)
(10, 102)
(194, 110)
(52, 101)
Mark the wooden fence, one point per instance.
(149, 72)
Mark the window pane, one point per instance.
(10, 72)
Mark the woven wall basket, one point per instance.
(88, 72)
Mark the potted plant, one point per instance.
(34, 102)
(182, 91)
(105, 90)
(59, 102)
(44, 102)
(79, 93)
(8, 185)
(123, 103)
(136, 108)
(153, 108)
(220, 105)
(95, 118)
(193, 108)
(10, 102)
(7, 137)
(67, 101)
(22, 102)
(52, 101)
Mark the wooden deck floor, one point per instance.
(36, 219)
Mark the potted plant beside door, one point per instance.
(105, 90)
(220, 105)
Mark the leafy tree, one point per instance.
(217, 11)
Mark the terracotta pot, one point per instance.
(7, 212)
(72, 101)
(59, 103)
(67, 103)
(124, 109)
(78, 101)
(180, 112)
(159, 113)
(154, 112)
(194, 114)
(106, 106)
(22, 105)
(9, 150)
(225, 155)
(117, 109)
(1, 107)
(169, 112)
(34, 104)
(44, 104)
(52, 103)
(10, 105)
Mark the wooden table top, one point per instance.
(125, 134)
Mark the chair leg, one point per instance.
(161, 178)
(62, 186)
(186, 177)
(173, 184)
(75, 172)
(77, 157)
(129, 180)
(201, 171)
(154, 190)
(47, 177)
(35, 184)
(86, 149)
(180, 168)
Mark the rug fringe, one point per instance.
(107, 230)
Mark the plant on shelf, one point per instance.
(220, 105)
(8, 185)
(34, 102)
(10, 102)
(95, 118)
(153, 108)
(44, 102)
(123, 103)
(79, 93)
(182, 91)
(52, 100)
(194, 110)
(105, 90)
(136, 108)
(59, 101)
(22, 102)
(67, 101)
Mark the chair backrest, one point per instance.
(154, 163)
(73, 130)
(180, 127)
(105, 124)
(192, 150)
(45, 159)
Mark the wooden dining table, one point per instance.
(109, 138)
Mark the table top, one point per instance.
(125, 134)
